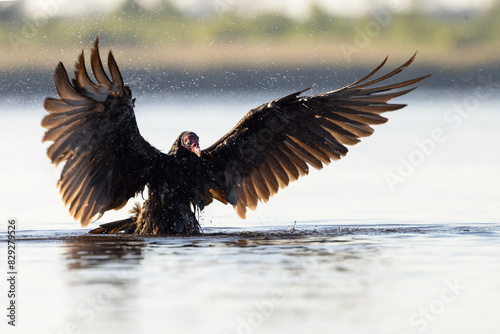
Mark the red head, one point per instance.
(190, 141)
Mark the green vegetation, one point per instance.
(459, 39)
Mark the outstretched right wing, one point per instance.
(95, 133)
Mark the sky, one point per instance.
(292, 8)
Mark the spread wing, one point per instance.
(276, 143)
(94, 132)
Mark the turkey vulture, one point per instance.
(107, 161)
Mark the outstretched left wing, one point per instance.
(276, 143)
(95, 133)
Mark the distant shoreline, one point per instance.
(255, 54)
(160, 80)
(250, 65)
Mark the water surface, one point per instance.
(347, 279)
(342, 250)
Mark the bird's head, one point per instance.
(190, 141)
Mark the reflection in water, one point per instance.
(102, 278)
(91, 251)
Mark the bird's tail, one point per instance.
(125, 226)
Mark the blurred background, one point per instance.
(202, 64)
(238, 42)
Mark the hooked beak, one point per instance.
(195, 148)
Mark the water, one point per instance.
(347, 249)
(374, 279)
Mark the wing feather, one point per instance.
(270, 177)
(97, 68)
(299, 163)
(250, 193)
(65, 90)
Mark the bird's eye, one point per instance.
(188, 141)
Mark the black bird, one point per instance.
(107, 161)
